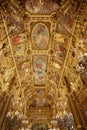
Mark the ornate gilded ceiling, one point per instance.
(41, 41)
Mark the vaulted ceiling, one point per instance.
(43, 46)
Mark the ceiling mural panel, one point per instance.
(40, 36)
(14, 23)
(40, 68)
(66, 22)
(39, 102)
(40, 6)
(20, 38)
(59, 54)
(20, 53)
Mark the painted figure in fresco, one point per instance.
(20, 53)
(65, 24)
(60, 53)
(41, 6)
(40, 64)
(14, 23)
(19, 38)
(20, 50)
(39, 102)
(40, 67)
(54, 78)
(32, 6)
(40, 36)
(42, 39)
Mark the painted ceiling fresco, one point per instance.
(40, 67)
(40, 36)
(40, 6)
(39, 102)
(34, 45)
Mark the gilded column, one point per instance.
(5, 108)
(78, 121)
